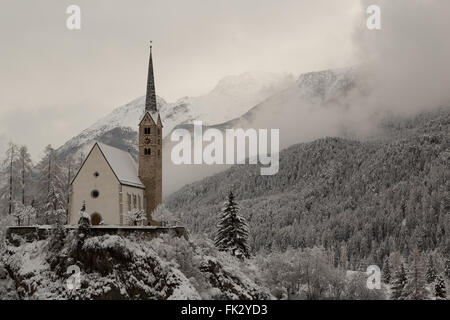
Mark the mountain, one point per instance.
(232, 97)
(311, 108)
(367, 198)
(303, 110)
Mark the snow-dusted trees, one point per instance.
(415, 287)
(70, 172)
(9, 175)
(51, 188)
(23, 214)
(447, 268)
(85, 220)
(232, 230)
(25, 168)
(387, 270)
(440, 291)
(164, 216)
(431, 271)
(136, 217)
(399, 282)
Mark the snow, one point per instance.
(123, 165)
(231, 98)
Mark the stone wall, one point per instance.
(33, 233)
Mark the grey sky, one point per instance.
(55, 82)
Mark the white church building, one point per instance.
(111, 183)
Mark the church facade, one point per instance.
(110, 181)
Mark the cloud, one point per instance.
(407, 63)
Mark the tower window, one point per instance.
(147, 151)
(95, 194)
(147, 130)
(96, 174)
(159, 141)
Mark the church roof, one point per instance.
(122, 164)
(152, 114)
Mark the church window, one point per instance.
(139, 203)
(159, 153)
(147, 151)
(95, 194)
(96, 174)
(134, 201)
(147, 130)
(129, 201)
(159, 141)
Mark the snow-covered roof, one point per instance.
(123, 165)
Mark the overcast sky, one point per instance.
(55, 82)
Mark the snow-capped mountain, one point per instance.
(232, 97)
(303, 110)
(315, 106)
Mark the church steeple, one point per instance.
(150, 148)
(150, 100)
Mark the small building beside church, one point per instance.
(110, 181)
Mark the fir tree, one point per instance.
(84, 223)
(431, 271)
(232, 231)
(386, 271)
(51, 187)
(25, 168)
(440, 291)
(415, 288)
(9, 174)
(447, 268)
(399, 282)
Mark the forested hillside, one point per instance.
(362, 200)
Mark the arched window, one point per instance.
(147, 151)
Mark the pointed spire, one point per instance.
(150, 100)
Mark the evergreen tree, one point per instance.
(9, 174)
(440, 291)
(399, 282)
(25, 168)
(232, 231)
(447, 268)
(51, 187)
(386, 271)
(84, 223)
(415, 287)
(54, 207)
(431, 271)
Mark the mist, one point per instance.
(402, 69)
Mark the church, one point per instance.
(110, 181)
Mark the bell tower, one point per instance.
(150, 147)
